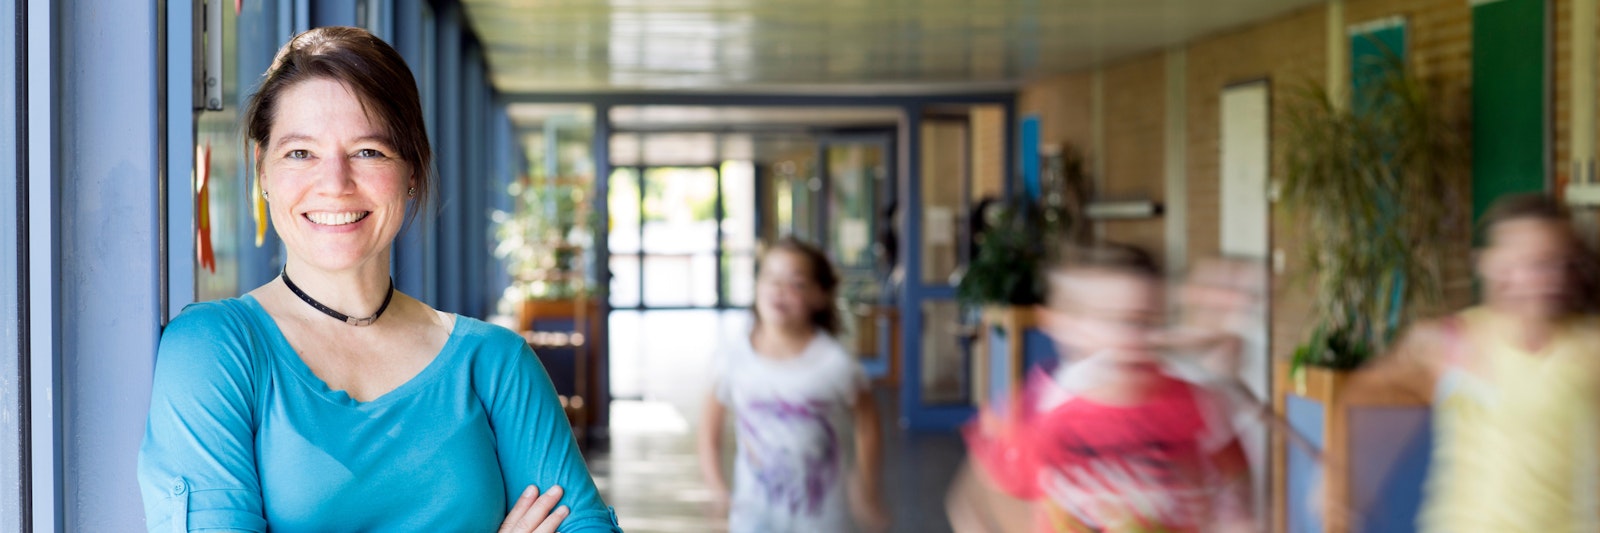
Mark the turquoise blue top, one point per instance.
(242, 436)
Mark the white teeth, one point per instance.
(336, 219)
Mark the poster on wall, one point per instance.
(1028, 156)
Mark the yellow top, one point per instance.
(1515, 432)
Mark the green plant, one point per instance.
(541, 240)
(1012, 253)
(1375, 188)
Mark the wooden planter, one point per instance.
(1012, 343)
(1384, 442)
(568, 335)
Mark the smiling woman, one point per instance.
(328, 401)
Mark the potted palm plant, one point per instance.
(1005, 282)
(1375, 189)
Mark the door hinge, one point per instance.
(208, 55)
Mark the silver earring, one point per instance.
(264, 195)
(412, 192)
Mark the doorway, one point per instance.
(682, 237)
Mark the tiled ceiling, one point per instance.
(829, 46)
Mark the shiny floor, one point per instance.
(650, 474)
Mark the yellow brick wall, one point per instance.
(1135, 93)
(1290, 53)
(988, 151)
(1063, 105)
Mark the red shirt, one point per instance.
(1161, 462)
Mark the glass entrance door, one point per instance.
(675, 243)
(857, 232)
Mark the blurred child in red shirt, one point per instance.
(1111, 441)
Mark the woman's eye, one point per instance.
(368, 152)
(298, 154)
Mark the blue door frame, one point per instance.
(877, 366)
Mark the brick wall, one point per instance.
(1289, 52)
(1063, 105)
(1135, 93)
(988, 151)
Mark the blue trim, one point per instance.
(760, 100)
(1302, 471)
(410, 257)
(333, 13)
(914, 414)
(302, 17)
(450, 286)
(1395, 445)
(510, 162)
(180, 158)
(45, 391)
(101, 219)
(11, 250)
(1028, 153)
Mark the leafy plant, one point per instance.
(541, 239)
(1012, 253)
(1376, 188)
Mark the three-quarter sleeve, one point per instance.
(533, 437)
(197, 465)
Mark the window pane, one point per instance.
(944, 354)
(738, 232)
(228, 217)
(622, 206)
(944, 165)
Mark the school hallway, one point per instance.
(651, 473)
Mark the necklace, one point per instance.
(335, 314)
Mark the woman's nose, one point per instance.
(335, 176)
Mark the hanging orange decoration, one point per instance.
(206, 256)
(258, 209)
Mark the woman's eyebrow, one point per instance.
(287, 137)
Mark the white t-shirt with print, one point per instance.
(792, 424)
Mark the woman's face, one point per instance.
(337, 191)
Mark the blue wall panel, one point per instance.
(474, 182)
(1304, 471)
(1028, 156)
(410, 249)
(451, 155)
(333, 13)
(10, 278)
(1394, 446)
(106, 284)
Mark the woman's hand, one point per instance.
(533, 512)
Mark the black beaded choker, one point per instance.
(335, 314)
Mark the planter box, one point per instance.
(568, 336)
(1013, 343)
(1384, 442)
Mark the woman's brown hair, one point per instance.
(373, 71)
(822, 273)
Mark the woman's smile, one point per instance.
(324, 218)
